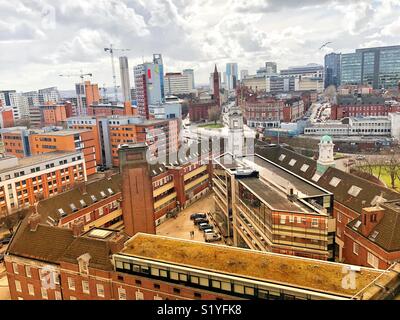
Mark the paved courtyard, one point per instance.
(182, 225)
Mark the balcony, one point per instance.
(195, 172)
(164, 200)
(196, 182)
(163, 189)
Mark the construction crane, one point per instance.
(81, 110)
(111, 51)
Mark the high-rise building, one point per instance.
(149, 83)
(178, 83)
(190, 73)
(243, 74)
(378, 67)
(20, 105)
(88, 95)
(125, 83)
(49, 95)
(271, 67)
(231, 75)
(332, 70)
(5, 97)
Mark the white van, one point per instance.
(211, 236)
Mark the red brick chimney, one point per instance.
(117, 242)
(77, 228)
(33, 221)
(370, 217)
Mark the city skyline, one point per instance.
(248, 34)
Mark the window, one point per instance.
(356, 248)
(15, 268)
(354, 191)
(292, 162)
(138, 282)
(334, 182)
(283, 219)
(216, 284)
(197, 295)
(316, 177)
(139, 295)
(339, 217)
(314, 223)
(44, 293)
(85, 286)
(194, 279)
(291, 219)
(72, 298)
(57, 295)
(71, 283)
(87, 217)
(372, 260)
(176, 290)
(249, 291)
(339, 232)
(31, 289)
(156, 286)
(238, 288)
(28, 271)
(304, 167)
(298, 219)
(282, 157)
(121, 294)
(100, 290)
(18, 286)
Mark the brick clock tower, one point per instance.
(216, 86)
(137, 189)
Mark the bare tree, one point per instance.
(214, 114)
(392, 168)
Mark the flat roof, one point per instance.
(61, 132)
(39, 158)
(271, 170)
(274, 198)
(281, 269)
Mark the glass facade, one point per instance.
(351, 68)
(332, 70)
(378, 67)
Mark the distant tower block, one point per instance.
(325, 158)
(216, 86)
(137, 189)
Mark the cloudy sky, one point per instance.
(41, 39)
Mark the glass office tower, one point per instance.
(332, 70)
(378, 67)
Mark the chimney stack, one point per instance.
(77, 228)
(33, 221)
(370, 218)
(117, 242)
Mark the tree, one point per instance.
(214, 114)
(392, 168)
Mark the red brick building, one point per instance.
(362, 105)
(52, 263)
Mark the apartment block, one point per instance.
(16, 141)
(22, 181)
(66, 140)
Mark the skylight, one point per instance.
(94, 199)
(110, 191)
(354, 191)
(316, 177)
(102, 193)
(357, 225)
(61, 212)
(304, 167)
(374, 235)
(83, 203)
(377, 199)
(292, 162)
(73, 207)
(281, 157)
(334, 182)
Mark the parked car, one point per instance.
(208, 231)
(360, 157)
(198, 215)
(204, 226)
(200, 220)
(212, 236)
(6, 239)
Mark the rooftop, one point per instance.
(60, 132)
(37, 159)
(281, 269)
